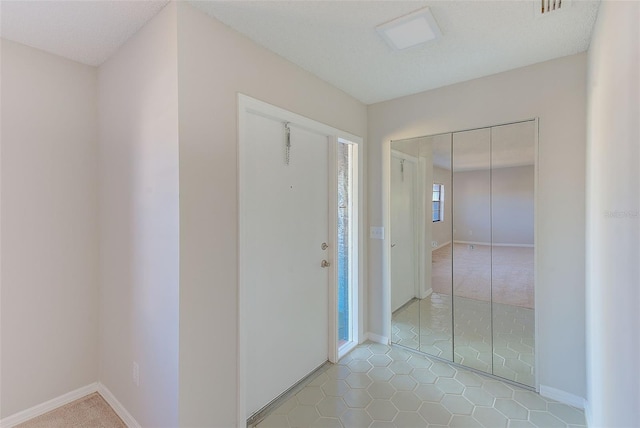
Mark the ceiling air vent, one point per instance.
(545, 7)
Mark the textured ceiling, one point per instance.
(85, 31)
(337, 41)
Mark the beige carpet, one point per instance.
(506, 273)
(88, 412)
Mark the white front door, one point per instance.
(285, 222)
(403, 233)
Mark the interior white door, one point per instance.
(403, 237)
(285, 222)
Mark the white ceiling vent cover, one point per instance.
(545, 7)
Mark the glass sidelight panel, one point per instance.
(472, 320)
(512, 264)
(436, 332)
(347, 243)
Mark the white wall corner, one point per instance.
(377, 338)
(117, 407)
(587, 412)
(47, 406)
(563, 397)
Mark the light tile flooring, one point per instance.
(425, 325)
(379, 386)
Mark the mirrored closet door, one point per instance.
(472, 249)
(405, 293)
(513, 155)
(462, 247)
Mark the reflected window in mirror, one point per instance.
(438, 202)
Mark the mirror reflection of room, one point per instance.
(405, 251)
(462, 248)
(421, 244)
(513, 250)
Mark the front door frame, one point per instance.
(248, 105)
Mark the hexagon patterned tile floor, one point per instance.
(377, 386)
(425, 325)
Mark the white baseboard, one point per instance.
(427, 293)
(118, 407)
(47, 406)
(377, 338)
(495, 244)
(35, 411)
(440, 246)
(472, 242)
(498, 244)
(562, 396)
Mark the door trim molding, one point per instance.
(248, 105)
(332, 355)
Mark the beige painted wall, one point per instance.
(613, 213)
(139, 227)
(497, 206)
(472, 202)
(215, 63)
(555, 92)
(512, 205)
(49, 210)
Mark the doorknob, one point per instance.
(325, 264)
(324, 246)
(393, 245)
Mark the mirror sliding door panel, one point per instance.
(512, 264)
(436, 332)
(405, 258)
(472, 249)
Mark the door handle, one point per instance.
(325, 264)
(393, 245)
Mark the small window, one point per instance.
(438, 202)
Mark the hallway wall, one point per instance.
(139, 226)
(48, 212)
(216, 63)
(613, 213)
